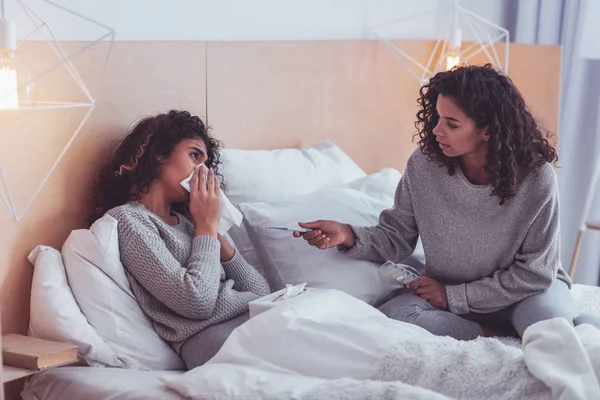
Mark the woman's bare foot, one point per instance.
(499, 332)
(489, 332)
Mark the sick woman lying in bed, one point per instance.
(482, 193)
(187, 278)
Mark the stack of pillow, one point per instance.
(81, 294)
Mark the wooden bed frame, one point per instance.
(255, 95)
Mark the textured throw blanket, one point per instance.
(328, 345)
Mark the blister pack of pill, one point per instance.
(401, 272)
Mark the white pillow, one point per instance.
(55, 315)
(291, 260)
(275, 175)
(98, 282)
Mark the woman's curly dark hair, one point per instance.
(491, 99)
(136, 161)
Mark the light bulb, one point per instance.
(452, 58)
(453, 52)
(17, 90)
(9, 85)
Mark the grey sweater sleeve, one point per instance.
(533, 271)
(190, 290)
(246, 278)
(395, 236)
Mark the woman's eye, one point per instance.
(195, 156)
(451, 126)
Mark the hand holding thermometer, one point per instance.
(286, 228)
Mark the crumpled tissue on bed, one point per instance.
(271, 300)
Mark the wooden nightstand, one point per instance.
(10, 374)
(30, 352)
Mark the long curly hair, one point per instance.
(136, 161)
(490, 99)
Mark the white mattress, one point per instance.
(86, 383)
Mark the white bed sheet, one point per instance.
(89, 383)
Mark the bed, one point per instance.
(113, 383)
(347, 139)
(99, 384)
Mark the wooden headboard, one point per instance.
(254, 95)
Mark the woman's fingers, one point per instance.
(428, 296)
(201, 172)
(316, 239)
(311, 235)
(210, 184)
(217, 186)
(323, 243)
(194, 182)
(417, 283)
(425, 290)
(311, 225)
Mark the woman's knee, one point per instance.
(406, 307)
(557, 302)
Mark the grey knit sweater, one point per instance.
(489, 255)
(178, 278)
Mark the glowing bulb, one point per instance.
(453, 53)
(9, 95)
(17, 90)
(452, 59)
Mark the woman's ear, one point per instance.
(485, 134)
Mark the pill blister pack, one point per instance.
(401, 272)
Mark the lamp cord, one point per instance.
(455, 14)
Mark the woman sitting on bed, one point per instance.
(187, 278)
(482, 194)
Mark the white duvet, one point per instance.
(328, 345)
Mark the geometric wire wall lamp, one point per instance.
(448, 50)
(19, 94)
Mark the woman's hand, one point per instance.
(327, 234)
(227, 250)
(205, 201)
(430, 290)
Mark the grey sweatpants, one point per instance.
(201, 347)
(557, 301)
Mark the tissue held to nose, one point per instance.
(229, 214)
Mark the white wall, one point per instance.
(239, 20)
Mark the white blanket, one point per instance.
(566, 359)
(326, 344)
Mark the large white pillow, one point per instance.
(55, 315)
(275, 175)
(98, 282)
(291, 260)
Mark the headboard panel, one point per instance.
(280, 94)
(255, 95)
(268, 94)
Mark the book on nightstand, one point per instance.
(35, 354)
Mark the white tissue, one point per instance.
(229, 214)
(272, 300)
(291, 290)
